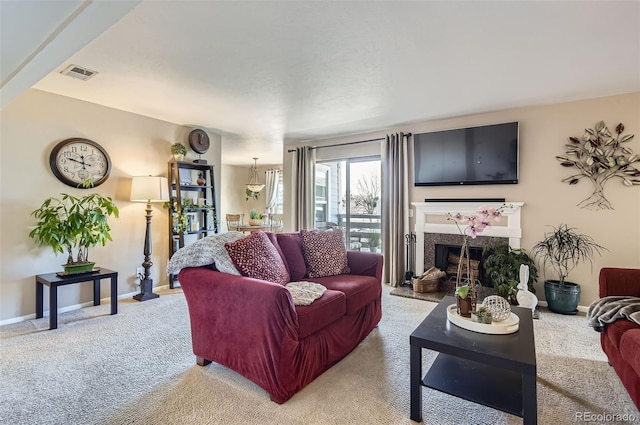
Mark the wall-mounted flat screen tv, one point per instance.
(474, 155)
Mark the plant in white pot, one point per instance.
(563, 249)
(73, 225)
(255, 218)
(178, 150)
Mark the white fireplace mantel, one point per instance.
(423, 210)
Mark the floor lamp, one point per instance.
(148, 189)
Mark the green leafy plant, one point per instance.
(563, 249)
(482, 315)
(178, 149)
(255, 215)
(502, 268)
(248, 194)
(71, 223)
(463, 291)
(180, 219)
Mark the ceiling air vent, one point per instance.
(76, 71)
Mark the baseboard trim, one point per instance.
(72, 307)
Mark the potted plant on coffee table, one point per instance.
(563, 249)
(73, 225)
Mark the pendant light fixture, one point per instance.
(254, 183)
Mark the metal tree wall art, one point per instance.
(599, 156)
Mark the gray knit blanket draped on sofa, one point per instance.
(611, 308)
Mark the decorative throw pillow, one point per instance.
(204, 252)
(324, 252)
(256, 257)
(293, 254)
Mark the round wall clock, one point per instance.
(199, 141)
(74, 161)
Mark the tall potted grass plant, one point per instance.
(562, 250)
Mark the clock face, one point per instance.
(199, 141)
(74, 161)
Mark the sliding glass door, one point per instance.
(347, 195)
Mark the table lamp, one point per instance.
(148, 189)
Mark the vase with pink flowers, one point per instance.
(466, 293)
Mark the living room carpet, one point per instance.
(137, 368)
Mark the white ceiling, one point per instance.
(267, 73)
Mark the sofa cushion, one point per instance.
(360, 290)
(291, 247)
(323, 311)
(255, 256)
(630, 348)
(615, 330)
(324, 253)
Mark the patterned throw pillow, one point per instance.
(256, 257)
(204, 252)
(324, 252)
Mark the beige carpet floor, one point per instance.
(137, 368)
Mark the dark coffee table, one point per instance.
(498, 371)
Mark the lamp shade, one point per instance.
(149, 189)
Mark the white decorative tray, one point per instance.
(508, 326)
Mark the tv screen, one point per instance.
(474, 155)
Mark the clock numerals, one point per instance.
(74, 161)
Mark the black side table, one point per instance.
(52, 280)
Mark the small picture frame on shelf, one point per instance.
(185, 176)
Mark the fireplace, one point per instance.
(447, 258)
(432, 228)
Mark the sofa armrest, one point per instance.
(618, 281)
(236, 317)
(365, 263)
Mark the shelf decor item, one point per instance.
(466, 293)
(73, 225)
(178, 150)
(148, 189)
(199, 142)
(600, 156)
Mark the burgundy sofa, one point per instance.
(252, 326)
(621, 339)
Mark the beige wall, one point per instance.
(31, 126)
(543, 132)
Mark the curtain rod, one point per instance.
(348, 143)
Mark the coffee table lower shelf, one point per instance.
(497, 388)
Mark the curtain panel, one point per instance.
(395, 206)
(304, 170)
(271, 189)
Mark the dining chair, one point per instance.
(276, 222)
(233, 221)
